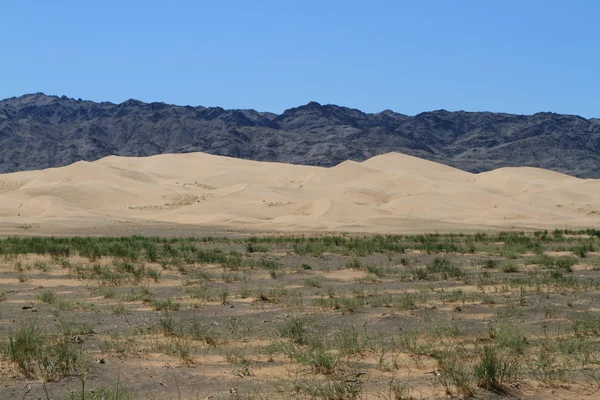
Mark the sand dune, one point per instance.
(387, 193)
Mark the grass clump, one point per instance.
(142, 294)
(493, 369)
(444, 268)
(408, 301)
(456, 374)
(47, 297)
(257, 248)
(315, 249)
(490, 263)
(510, 267)
(332, 388)
(586, 324)
(118, 309)
(582, 250)
(103, 393)
(165, 305)
(199, 330)
(38, 355)
(295, 330)
(565, 264)
(198, 292)
(509, 337)
(104, 291)
(345, 304)
(317, 358)
(312, 282)
(349, 342)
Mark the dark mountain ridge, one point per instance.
(39, 131)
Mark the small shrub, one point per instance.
(444, 267)
(198, 292)
(118, 309)
(23, 348)
(295, 329)
(167, 325)
(106, 292)
(31, 351)
(407, 301)
(46, 296)
(165, 305)
(510, 267)
(141, 294)
(329, 389)
(199, 330)
(315, 249)
(257, 248)
(177, 347)
(586, 324)
(565, 264)
(312, 282)
(509, 337)
(317, 358)
(103, 393)
(493, 369)
(490, 263)
(224, 296)
(375, 270)
(582, 249)
(454, 373)
(348, 342)
(237, 356)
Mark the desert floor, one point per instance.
(491, 315)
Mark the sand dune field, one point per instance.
(391, 193)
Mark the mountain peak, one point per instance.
(313, 104)
(36, 99)
(132, 102)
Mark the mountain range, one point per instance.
(38, 131)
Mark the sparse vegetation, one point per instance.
(481, 312)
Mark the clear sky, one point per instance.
(512, 56)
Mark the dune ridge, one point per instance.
(391, 193)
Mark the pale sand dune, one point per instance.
(386, 194)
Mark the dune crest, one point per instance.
(387, 193)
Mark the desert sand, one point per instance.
(391, 193)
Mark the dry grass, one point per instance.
(334, 317)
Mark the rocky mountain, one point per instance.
(39, 131)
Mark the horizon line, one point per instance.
(291, 108)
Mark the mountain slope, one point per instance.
(39, 131)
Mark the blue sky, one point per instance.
(409, 56)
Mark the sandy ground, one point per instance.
(389, 331)
(184, 193)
